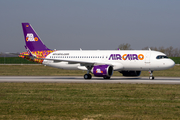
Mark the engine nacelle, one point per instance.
(102, 71)
(130, 73)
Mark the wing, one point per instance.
(116, 65)
(82, 62)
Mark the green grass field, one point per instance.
(60, 101)
(176, 59)
(57, 101)
(14, 60)
(40, 70)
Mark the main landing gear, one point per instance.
(151, 77)
(88, 76)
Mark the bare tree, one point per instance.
(170, 51)
(176, 52)
(152, 48)
(123, 46)
(162, 49)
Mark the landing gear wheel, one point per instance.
(87, 76)
(151, 77)
(106, 77)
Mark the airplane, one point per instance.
(101, 63)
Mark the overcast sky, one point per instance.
(91, 24)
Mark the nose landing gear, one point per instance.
(151, 77)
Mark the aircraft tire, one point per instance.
(87, 76)
(106, 77)
(151, 77)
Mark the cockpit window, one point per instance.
(161, 57)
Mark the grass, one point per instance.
(88, 101)
(14, 60)
(176, 59)
(58, 101)
(40, 70)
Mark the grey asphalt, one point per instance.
(80, 79)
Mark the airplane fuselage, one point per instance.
(120, 59)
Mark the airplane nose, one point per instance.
(171, 64)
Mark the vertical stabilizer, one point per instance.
(32, 40)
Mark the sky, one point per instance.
(91, 24)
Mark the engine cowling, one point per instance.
(102, 71)
(130, 73)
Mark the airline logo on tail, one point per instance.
(30, 37)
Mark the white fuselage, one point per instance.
(138, 60)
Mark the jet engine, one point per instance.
(105, 71)
(130, 73)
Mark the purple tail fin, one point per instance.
(32, 40)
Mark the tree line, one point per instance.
(169, 51)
